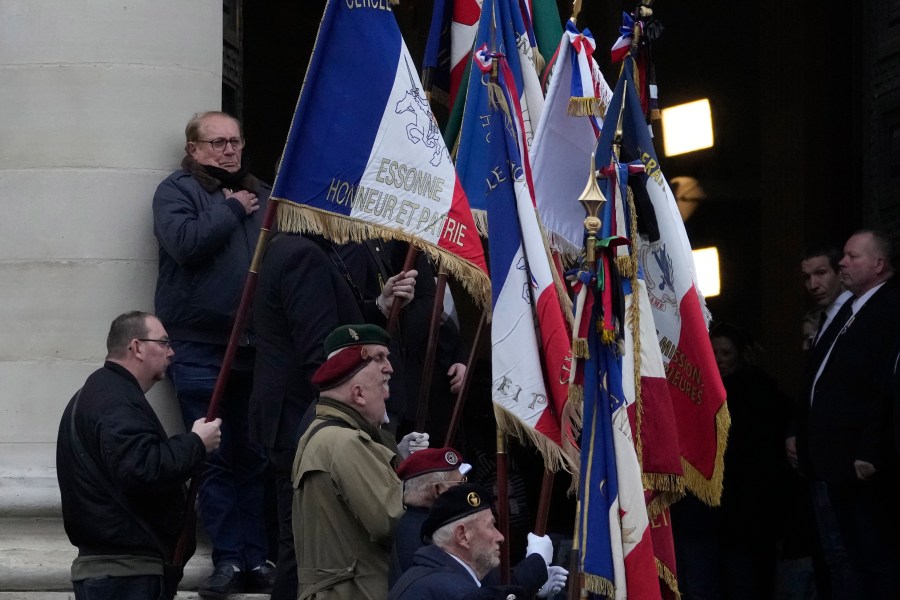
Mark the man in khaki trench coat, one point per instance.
(348, 498)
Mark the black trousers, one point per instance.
(136, 587)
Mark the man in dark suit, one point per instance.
(843, 435)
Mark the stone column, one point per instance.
(94, 100)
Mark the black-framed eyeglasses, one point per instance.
(165, 342)
(219, 144)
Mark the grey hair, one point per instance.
(444, 534)
(415, 489)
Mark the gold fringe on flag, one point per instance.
(710, 490)
(295, 218)
(584, 107)
(554, 457)
(661, 501)
(667, 576)
(601, 586)
(633, 318)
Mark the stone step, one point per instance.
(36, 557)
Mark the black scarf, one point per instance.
(227, 178)
(212, 178)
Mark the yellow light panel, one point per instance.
(687, 127)
(706, 261)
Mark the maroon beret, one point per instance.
(340, 366)
(430, 460)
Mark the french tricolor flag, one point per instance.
(626, 35)
(463, 28)
(679, 313)
(530, 344)
(364, 156)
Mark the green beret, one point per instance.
(355, 335)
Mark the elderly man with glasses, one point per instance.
(207, 218)
(426, 476)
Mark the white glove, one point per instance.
(540, 545)
(412, 442)
(556, 581)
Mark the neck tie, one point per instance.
(843, 315)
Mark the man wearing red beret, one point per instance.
(347, 498)
(425, 475)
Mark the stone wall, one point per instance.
(93, 104)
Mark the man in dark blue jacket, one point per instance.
(207, 218)
(464, 551)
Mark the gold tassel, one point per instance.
(539, 62)
(607, 336)
(583, 107)
(576, 394)
(497, 100)
(580, 348)
(625, 266)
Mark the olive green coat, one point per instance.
(347, 501)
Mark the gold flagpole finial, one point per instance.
(592, 200)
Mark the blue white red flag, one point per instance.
(679, 312)
(364, 157)
(597, 531)
(499, 29)
(466, 14)
(563, 144)
(626, 36)
(530, 345)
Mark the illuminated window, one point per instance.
(706, 261)
(687, 127)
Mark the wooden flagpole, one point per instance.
(437, 311)
(464, 388)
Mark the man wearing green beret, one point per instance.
(348, 498)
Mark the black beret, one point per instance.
(459, 501)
